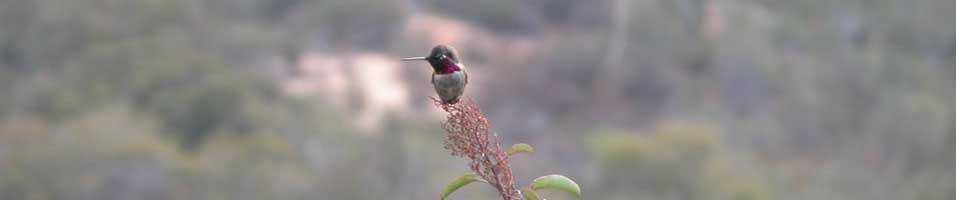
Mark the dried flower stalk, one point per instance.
(469, 136)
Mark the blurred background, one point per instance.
(634, 99)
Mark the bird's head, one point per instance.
(442, 58)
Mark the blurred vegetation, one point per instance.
(180, 99)
(674, 161)
(160, 99)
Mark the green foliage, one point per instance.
(152, 63)
(90, 156)
(196, 112)
(682, 159)
(520, 148)
(556, 182)
(80, 158)
(458, 183)
(529, 194)
(147, 100)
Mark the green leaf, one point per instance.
(557, 182)
(458, 183)
(520, 147)
(529, 194)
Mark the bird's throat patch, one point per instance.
(450, 67)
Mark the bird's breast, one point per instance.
(454, 79)
(449, 86)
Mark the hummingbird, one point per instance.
(448, 75)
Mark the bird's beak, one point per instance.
(413, 58)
